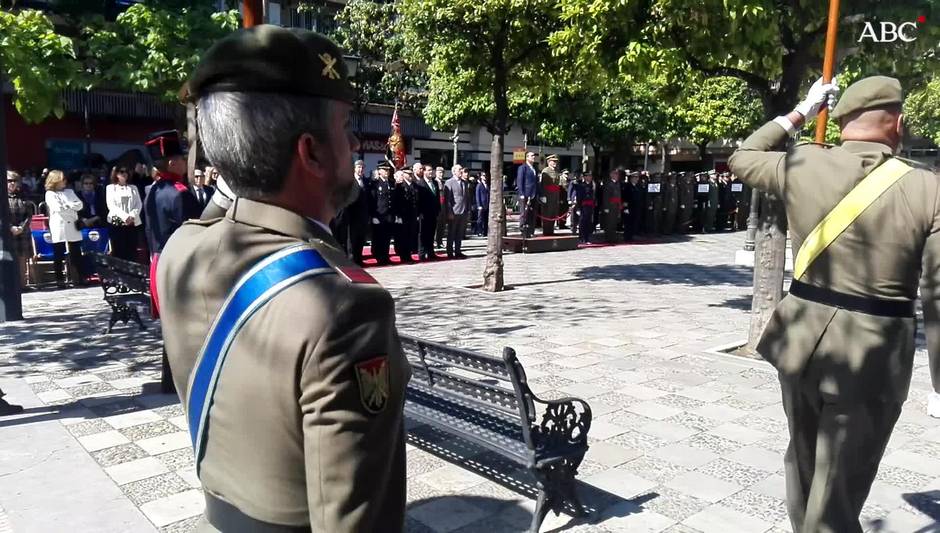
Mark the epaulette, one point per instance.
(200, 222)
(808, 143)
(353, 273)
(916, 164)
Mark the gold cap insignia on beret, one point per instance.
(329, 66)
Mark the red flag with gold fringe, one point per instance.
(396, 144)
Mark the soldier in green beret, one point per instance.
(284, 352)
(864, 225)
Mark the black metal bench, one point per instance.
(126, 285)
(488, 402)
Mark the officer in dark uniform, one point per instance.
(611, 205)
(583, 203)
(670, 203)
(686, 186)
(711, 207)
(380, 213)
(634, 202)
(405, 210)
(168, 204)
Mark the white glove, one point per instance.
(375, 221)
(819, 94)
(933, 405)
(398, 220)
(543, 199)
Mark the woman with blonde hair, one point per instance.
(63, 205)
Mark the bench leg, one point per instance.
(556, 487)
(112, 321)
(136, 316)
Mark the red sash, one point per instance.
(552, 188)
(587, 203)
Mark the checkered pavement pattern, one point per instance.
(684, 440)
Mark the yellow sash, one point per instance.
(848, 209)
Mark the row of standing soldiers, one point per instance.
(415, 207)
(660, 204)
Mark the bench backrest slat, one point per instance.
(480, 380)
(119, 275)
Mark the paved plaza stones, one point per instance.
(683, 440)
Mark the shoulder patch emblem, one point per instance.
(356, 274)
(372, 376)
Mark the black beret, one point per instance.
(273, 59)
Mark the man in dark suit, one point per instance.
(94, 210)
(357, 215)
(429, 208)
(482, 194)
(405, 209)
(527, 187)
(201, 192)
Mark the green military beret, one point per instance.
(868, 93)
(273, 59)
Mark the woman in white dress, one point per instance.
(63, 205)
(124, 207)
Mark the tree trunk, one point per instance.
(666, 157)
(769, 261)
(493, 272)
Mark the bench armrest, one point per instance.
(565, 423)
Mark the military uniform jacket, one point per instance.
(380, 200)
(168, 204)
(292, 438)
(880, 255)
(405, 201)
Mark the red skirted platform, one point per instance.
(539, 244)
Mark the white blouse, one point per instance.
(123, 201)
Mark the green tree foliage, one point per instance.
(150, 48)
(719, 108)
(37, 61)
(775, 47)
(372, 31)
(922, 111)
(485, 61)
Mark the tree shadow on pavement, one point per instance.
(672, 273)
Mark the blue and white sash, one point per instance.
(258, 286)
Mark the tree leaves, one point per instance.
(922, 111)
(37, 61)
(150, 48)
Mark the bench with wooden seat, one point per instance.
(487, 401)
(126, 285)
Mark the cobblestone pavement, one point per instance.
(683, 440)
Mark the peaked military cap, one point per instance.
(868, 93)
(164, 144)
(272, 59)
(552, 157)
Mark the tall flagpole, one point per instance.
(829, 61)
